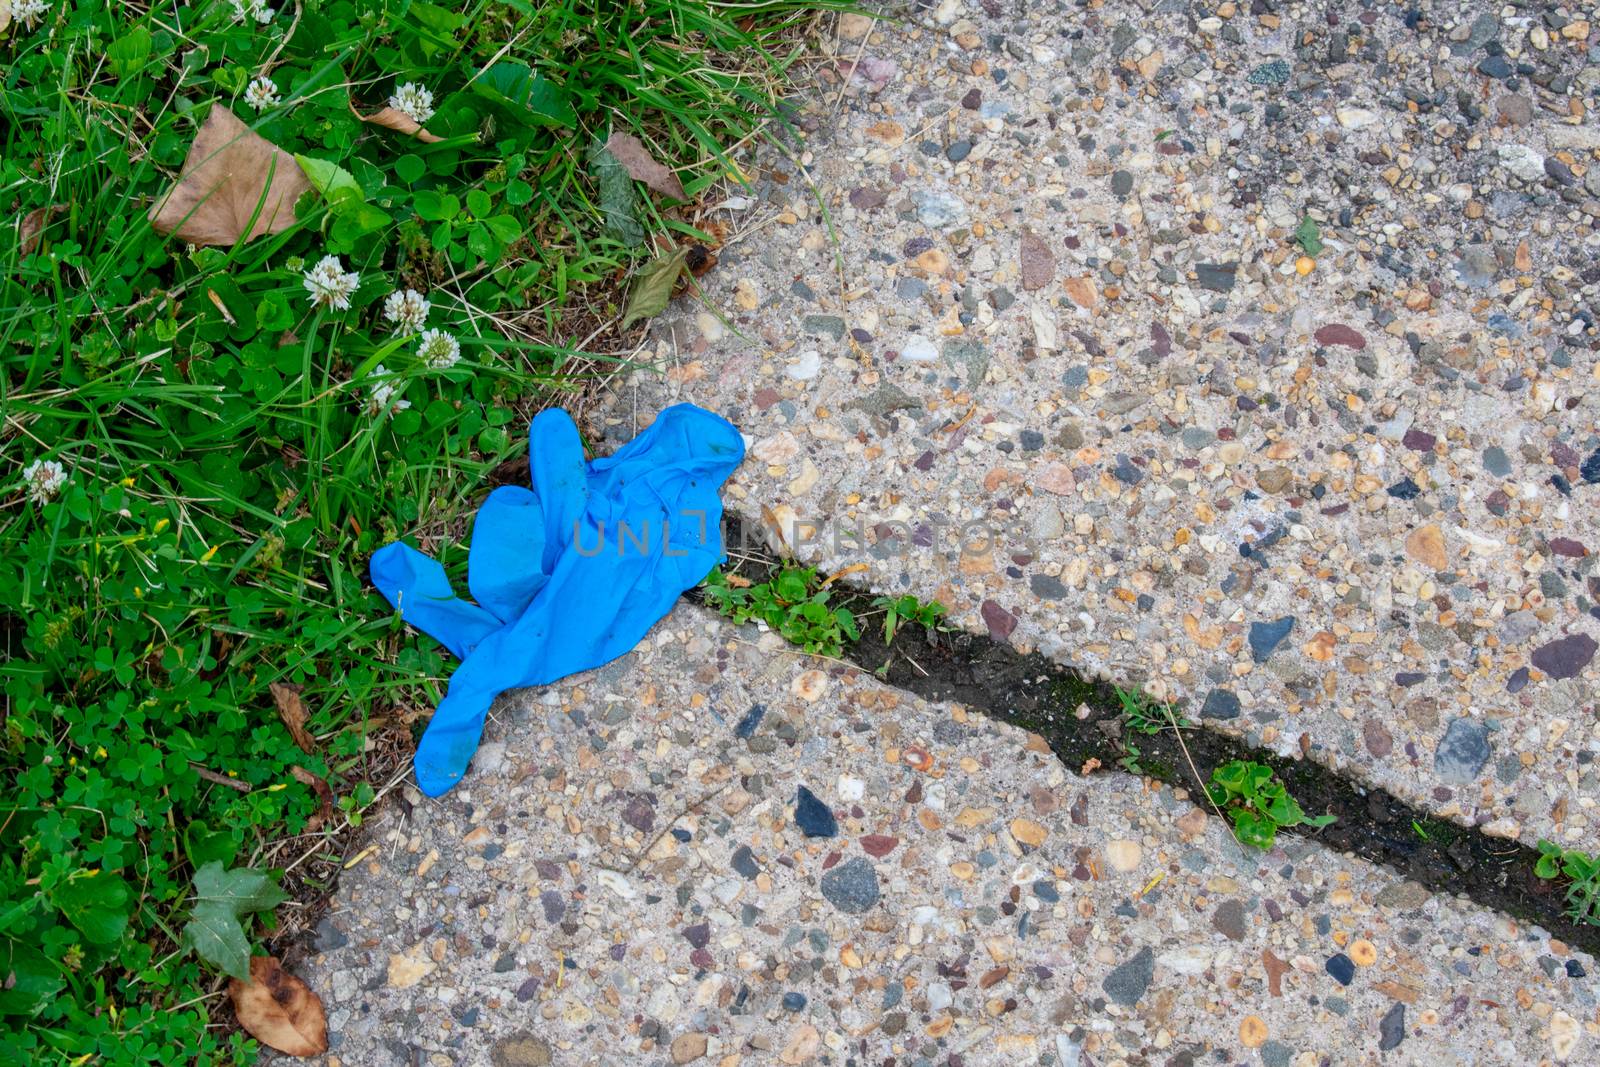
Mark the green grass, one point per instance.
(227, 468)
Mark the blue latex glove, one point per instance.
(648, 523)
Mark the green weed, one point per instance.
(1581, 871)
(1308, 236)
(1257, 802)
(1144, 714)
(897, 611)
(793, 602)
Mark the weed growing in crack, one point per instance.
(1144, 714)
(1257, 802)
(908, 608)
(1582, 874)
(793, 602)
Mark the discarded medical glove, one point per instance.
(569, 575)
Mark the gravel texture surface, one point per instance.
(625, 880)
(1026, 327)
(1035, 271)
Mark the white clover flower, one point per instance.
(329, 284)
(245, 10)
(262, 93)
(383, 392)
(414, 100)
(438, 350)
(407, 309)
(44, 478)
(29, 12)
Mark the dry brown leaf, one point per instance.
(5, 13)
(318, 785)
(277, 1009)
(642, 166)
(33, 223)
(392, 118)
(292, 710)
(230, 170)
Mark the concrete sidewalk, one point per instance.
(1035, 272)
(1027, 312)
(622, 881)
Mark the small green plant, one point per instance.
(1130, 758)
(1308, 236)
(1144, 714)
(903, 609)
(1422, 833)
(1257, 802)
(793, 602)
(1582, 873)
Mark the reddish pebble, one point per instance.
(1337, 333)
(1000, 621)
(1566, 546)
(832, 858)
(1418, 441)
(878, 845)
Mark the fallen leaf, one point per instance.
(292, 710)
(653, 285)
(392, 118)
(618, 196)
(235, 185)
(277, 1009)
(642, 166)
(318, 785)
(34, 222)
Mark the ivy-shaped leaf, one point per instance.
(215, 935)
(240, 889)
(220, 897)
